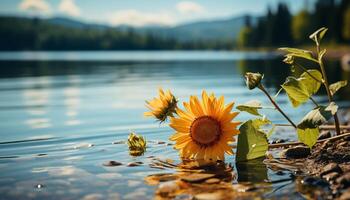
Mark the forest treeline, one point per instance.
(279, 27)
(37, 34)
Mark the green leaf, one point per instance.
(300, 53)
(318, 35)
(296, 91)
(308, 80)
(318, 116)
(300, 90)
(257, 123)
(252, 143)
(250, 107)
(336, 86)
(308, 136)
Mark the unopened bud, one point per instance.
(253, 79)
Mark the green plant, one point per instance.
(299, 90)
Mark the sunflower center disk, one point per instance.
(205, 130)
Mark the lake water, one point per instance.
(60, 113)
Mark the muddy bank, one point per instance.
(331, 162)
(323, 172)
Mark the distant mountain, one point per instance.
(72, 23)
(226, 29)
(221, 29)
(58, 33)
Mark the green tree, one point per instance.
(346, 24)
(245, 34)
(301, 26)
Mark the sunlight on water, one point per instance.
(62, 120)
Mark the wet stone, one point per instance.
(314, 182)
(331, 176)
(347, 138)
(168, 187)
(212, 180)
(343, 144)
(208, 196)
(118, 142)
(278, 141)
(331, 167)
(183, 197)
(112, 163)
(193, 178)
(324, 135)
(296, 152)
(134, 164)
(243, 187)
(344, 180)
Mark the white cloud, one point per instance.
(137, 18)
(188, 7)
(35, 5)
(69, 7)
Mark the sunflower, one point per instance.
(204, 129)
(163, 107)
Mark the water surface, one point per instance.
(60, 113)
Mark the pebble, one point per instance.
(342, 144)
(183, 197)
(208, 196)
(331, 176)
(134, 164)
(212, 180)
(314, 182)
(347, 138)
(168, 187)
(243, 188)
(331, 167)
(112, 163)
(344, 180)
(296, 152)
(193, 178)
(278, 141)
(118, 142)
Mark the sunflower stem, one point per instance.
(262, 88)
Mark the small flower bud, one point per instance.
(253, 79)
(137, 144)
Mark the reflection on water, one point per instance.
(61, 120)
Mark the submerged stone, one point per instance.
(296, 152)
(193, 178)
(168, 187)
(112, 163)
(134, 164)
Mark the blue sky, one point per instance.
(141, 12)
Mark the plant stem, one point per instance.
(262, 88)
(326, 85)
(322, 127)
(288, 144)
